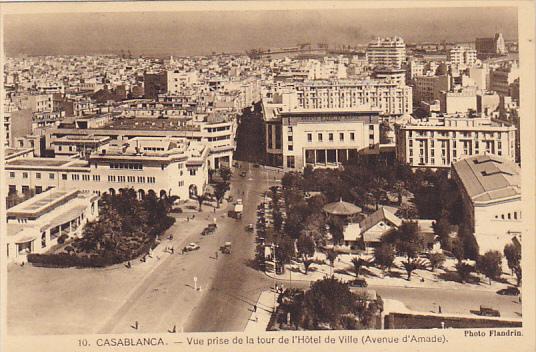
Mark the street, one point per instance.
(160, 295)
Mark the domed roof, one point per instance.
(341, 208)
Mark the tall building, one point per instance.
(428, 88)
(460, 55)
(390, 51)
(389, 97)
(503, 78)
(439, 141)
(487, 47)
(461, 100)
(319, 137)
(154, 84)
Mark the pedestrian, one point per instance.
(256, 318)
(439, 309)
(276, 287)
(216, 254)
(255, 308)
(187, 219)
(214, 209)
(172, 250)
(129, 265)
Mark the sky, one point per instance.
(203, 32)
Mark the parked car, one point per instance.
(243, 174)
(256, 165)
(250, 227)
(191, 247)
(509, 291)
(358, 283)
(486, 311)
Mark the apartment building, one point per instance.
(171, 166)
(390, 98)
(428, 88)
(441, 140)
(35, 225)
(490, 189)
(389, 51)
(460, 55)
(502, 78)
(320, 137)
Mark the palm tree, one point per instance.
(358, 263)
(331, 255)
(200, 199)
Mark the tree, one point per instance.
(442, 230)
(456, 247)
(384, 256)
(464, 270)
(436, 260)
(512, 253)
(219, 191)
(306, 264)
(359, 262)
(489, 264)
(284, 250)
(331, 255)
(306, 246)
(326, 302)
(407, 239)
(225, 173)
(200, 199)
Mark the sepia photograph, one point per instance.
(279, 175)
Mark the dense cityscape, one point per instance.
(311, 187)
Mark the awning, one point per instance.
(25, 239)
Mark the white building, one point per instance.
(320, 137)
(390, 98)
(35, 225)
(460, 101)
(463, 56)
(390, 51)
(491, 193)
(440, 141)
(170, 166)
(177, 80)
(502, 78)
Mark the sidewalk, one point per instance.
(343, 270)
(266, 304)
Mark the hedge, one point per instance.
(64, 260)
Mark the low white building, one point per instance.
(35, 225)
(170, 166)
(491, 193)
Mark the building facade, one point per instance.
(171, 166)
(390, 51)
(320, 138)
(35, 225)
(440, 141)
(460, 55)
(490, 188)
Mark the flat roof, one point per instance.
(39, 162)
(489, 178)
(151, 124)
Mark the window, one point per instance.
(320, 137)
(12, 174)
(96, 178)
(309, 137)
(24, 175)
(341, 136)
(330, 137)
(12, 189)
(352, 136)
(290, 147)
(181, 183)
(120, 178)
(64, 176)
(180, 165)
(131, 179)
(141, 179)
(38, 189)
(38, 175)
(192, 172)
(85, 177)
(51, 176)
(151, 179)
(290, 161)
(289, 138)
(111, 178)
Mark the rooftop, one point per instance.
(489, 178)
(39, 162)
